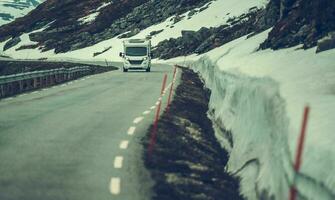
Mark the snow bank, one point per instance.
(259, 96)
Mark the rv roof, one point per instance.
(136, 40)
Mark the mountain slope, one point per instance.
(74, 25)
(12, 9)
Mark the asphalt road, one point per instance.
(77, 141)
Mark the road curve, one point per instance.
(80, 140)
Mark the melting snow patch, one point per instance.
(89, 18)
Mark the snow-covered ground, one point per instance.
(259, 96)
(14, 9)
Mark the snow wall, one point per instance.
(251, 123)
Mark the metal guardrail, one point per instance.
(38, 74)
(17, 83)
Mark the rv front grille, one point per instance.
(135, 62)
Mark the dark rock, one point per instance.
(301, 22)
(32, 46)
(117, 18)
(205, 39)
(326, 43)
(152, 33)
(191, 13)
(177, 19)
(103, 51)
(11, 43)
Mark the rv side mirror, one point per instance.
(151, 54)
(121, 54)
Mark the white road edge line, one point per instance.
(131, 130)
(115, 186)
(138, 120)
(124, 144)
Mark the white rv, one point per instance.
(136, 54)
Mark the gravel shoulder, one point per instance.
(187, 161)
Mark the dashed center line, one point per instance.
(118, 162)
(131, 130)
(114, 186)
(124, 144)
(146, 112)
(115, 183)
(138, 120)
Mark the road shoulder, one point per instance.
(187, 161)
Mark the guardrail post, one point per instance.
(42, 81)
(34, 82)
(20, 86)
(1, 91)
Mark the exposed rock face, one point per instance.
(66, 32)
(302, 22)
(294, 21)
(12, 43)
(205, 39)
(187, 161)
(326, 43)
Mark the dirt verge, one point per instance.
(187, 161)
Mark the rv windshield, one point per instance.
(136, 51)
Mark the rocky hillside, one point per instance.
(73, 25)
(310, 23)
(303, 22)
(255, 21)
(12, 9)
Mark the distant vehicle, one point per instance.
(136, 54)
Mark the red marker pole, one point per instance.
(171, 89)
(299, 152)
(154, 129)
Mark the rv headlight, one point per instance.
(127, 60)
(145, 58)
